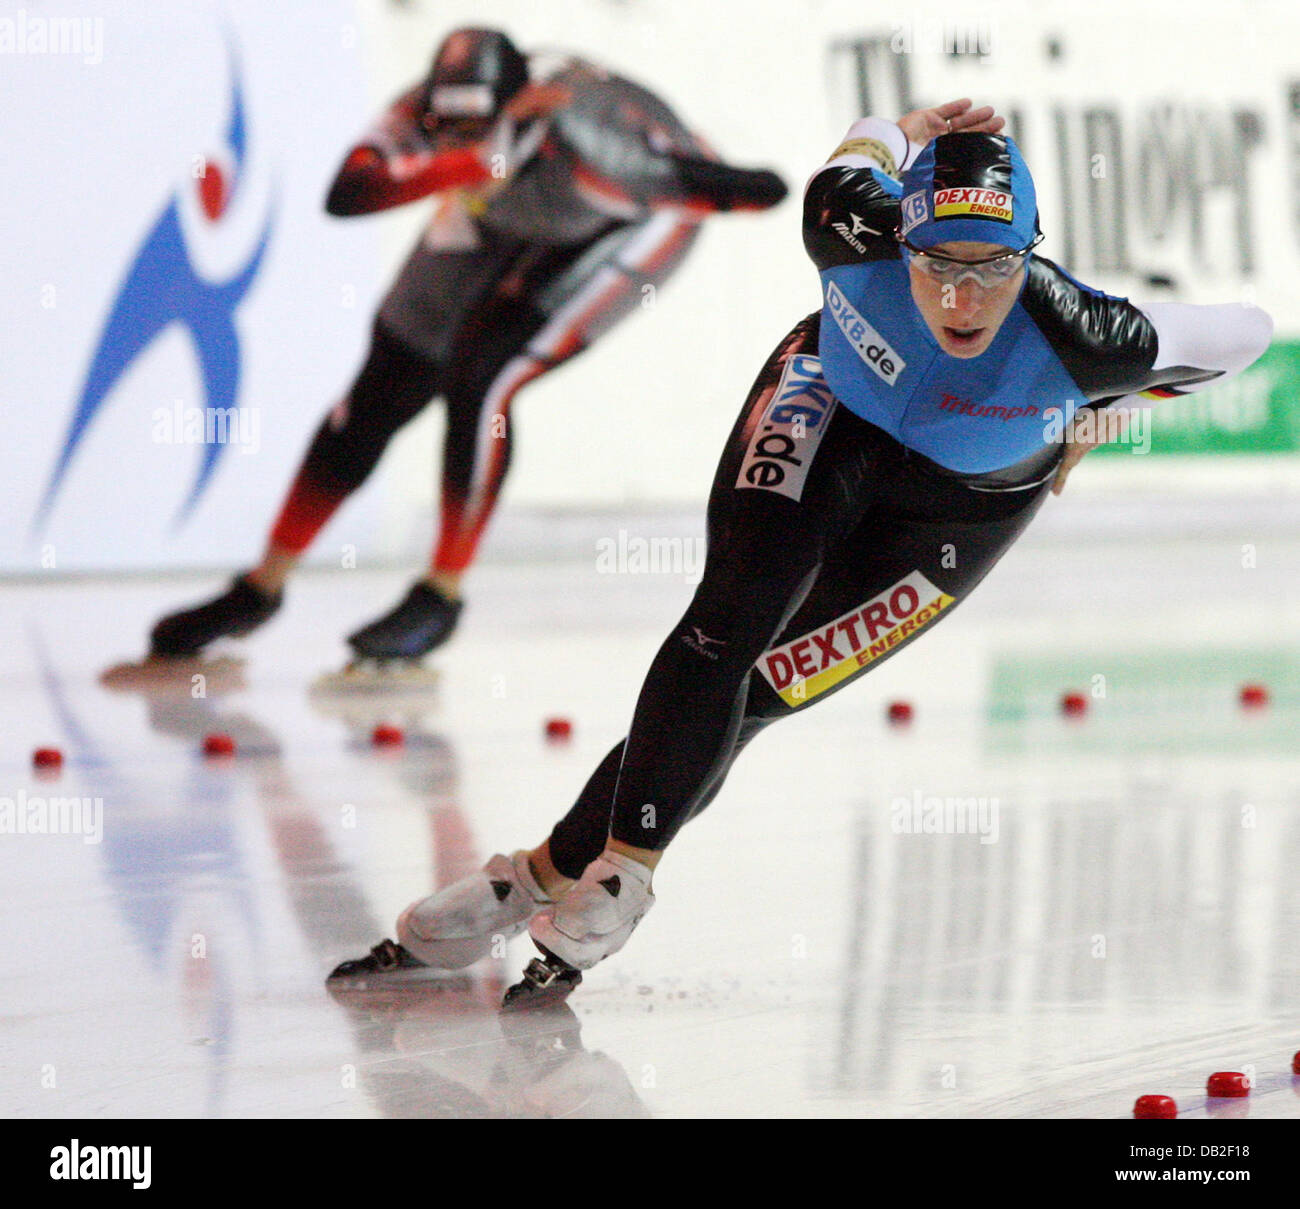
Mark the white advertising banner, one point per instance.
(178, 310)
(1164, 138)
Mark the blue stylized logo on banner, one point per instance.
(162, 287)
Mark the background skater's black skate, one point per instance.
(546, 979)
(236, 612)
(391, 968)
(387, 652)
(385, 958)
(424, 620)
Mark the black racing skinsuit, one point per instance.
(816, 573)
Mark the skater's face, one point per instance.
(964, 309)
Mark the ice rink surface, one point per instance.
(1125, 919)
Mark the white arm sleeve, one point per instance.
(873, 143)
(1221, 340)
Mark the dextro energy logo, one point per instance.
(162, 288)
(868, 343)
(977, 203)
(800, 669)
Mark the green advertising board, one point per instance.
(1255, 412)
(1159, 700)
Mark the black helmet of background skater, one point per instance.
(474, 73)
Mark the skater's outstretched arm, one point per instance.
(1210, 341)
(398, 163)
(628, 163)
(1195, 346)
(406, 156)
(706, 185)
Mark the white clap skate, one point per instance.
(593, 920)
(457, 926)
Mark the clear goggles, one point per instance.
(988, 273)
(459, 113)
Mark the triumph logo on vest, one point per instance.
(868, 343)
(964, 407)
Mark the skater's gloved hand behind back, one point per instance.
(539, 99)
(1081, 441)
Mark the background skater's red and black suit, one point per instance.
(542, 238)
(833, 543)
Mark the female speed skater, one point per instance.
(891, 450)
(564, 193)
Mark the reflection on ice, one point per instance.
(1118, 913)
